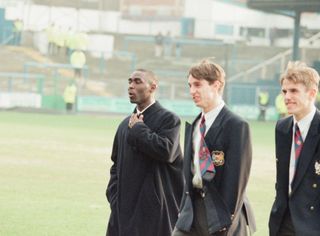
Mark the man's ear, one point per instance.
(313, 93)
(153, 86)
(218, 84)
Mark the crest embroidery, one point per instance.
(317, 167)
(217, 158)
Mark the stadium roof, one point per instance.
(285, 5)
(84, 4)
(292, 8)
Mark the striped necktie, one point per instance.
(298, 143)
(206, 164)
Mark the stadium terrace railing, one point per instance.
(7, 40)
(55, 66)
(13, 78)
(279, 61)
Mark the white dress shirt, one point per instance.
(304, 125)
(209, 119)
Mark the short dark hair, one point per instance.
(209, 71)
(149, 75)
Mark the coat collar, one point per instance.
(217, 122)
(153, 108)
(285, 125)
(212, 133)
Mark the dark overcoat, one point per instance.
(146, 178)
(225, 193)
(304, 200)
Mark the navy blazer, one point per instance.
(304, 200)
(225, 193)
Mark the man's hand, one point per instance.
(135, 119)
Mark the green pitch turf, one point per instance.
(54, 170)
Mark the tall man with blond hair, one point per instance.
(296, 209)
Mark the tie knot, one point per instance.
(203, 126)
(297, 130)
(203, 120)
(298, 136)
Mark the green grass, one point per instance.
(261, 189)
(54, 170)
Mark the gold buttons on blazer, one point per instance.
(314, 186)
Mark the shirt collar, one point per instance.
(140, 112)
(211, 115)
(305, 122)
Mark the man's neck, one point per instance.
(142, 107)
(304, 114)
(214, 105)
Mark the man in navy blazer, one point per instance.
(214, 200)
(296, 209)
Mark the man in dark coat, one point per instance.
(296, 209)
(214, 200)
(146, 179)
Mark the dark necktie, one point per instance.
(298, 144)
(206, 165)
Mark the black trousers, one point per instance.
(200, 225)
(286, 227)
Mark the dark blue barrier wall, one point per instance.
(247, 93)
(6, 28)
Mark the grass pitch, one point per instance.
(54, 170)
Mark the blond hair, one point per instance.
(299, 72)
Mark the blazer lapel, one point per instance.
(188, 147)
(308, 150)
(215, 128)
(283, 151)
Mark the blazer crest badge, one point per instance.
(317, 167)
(217, 158)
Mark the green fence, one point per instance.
(242, 98)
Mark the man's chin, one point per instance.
(133, 101)
(290, 111)
(196, 103)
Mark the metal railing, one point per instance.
(7, 40)
(56, 67)
(280, 60)
(13, 78)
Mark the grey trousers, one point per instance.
(200, 225)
